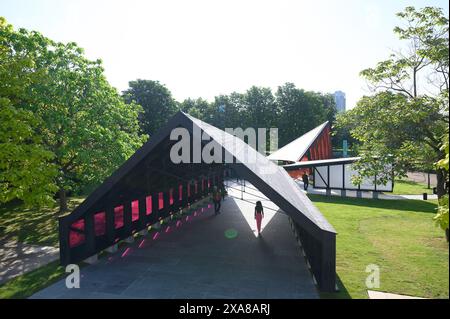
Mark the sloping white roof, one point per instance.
(296, 149)
(331, 161)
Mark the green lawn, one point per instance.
(31, 225)
(398, 236)
(31, 282)
(404, 187)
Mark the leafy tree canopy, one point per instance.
(156, 101)
(402, 124)
(81, 120)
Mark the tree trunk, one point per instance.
(441, 180)
(62, 200)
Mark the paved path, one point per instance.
(421, 177)
(208, 257)
(385, 295)
(18, 258)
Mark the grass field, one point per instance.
(404, 187)
(31, 226)
(26, 285)
(398, 236)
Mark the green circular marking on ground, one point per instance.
(231, 233)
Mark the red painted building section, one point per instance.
(320, 149)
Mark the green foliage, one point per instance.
(25, 169)
(441, 218)
(401, 124)
(301, 111)
(85, 127)
(258, 107)
(156, 101)
(443, 163)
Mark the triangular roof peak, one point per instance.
(295, 150)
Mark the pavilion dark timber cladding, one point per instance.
(149, 187)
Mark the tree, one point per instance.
(155, 99)
(230, 109)
(260, 109)
(198, 108)
(442, 216)
(83, 121)
(25, 169)
(301, 111)
(401, 125)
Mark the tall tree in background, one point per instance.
(292, 110)
(260, 109)
(301, 111)
(230, 110)
(403, 123)
(198, 108)
(156, 101)
(80, 119)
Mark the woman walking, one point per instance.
(259, 215)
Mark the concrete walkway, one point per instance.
(384, 295)
(18, 258)
(206, 257)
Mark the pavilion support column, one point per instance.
(110, 229)
(89, 231)
(64, 244)
(327, 279)
(142, 212)
(127, 218)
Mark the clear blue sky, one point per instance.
(205, 48)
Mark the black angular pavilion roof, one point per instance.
(272, 180)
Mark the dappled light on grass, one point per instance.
(37, 226)
(30, 283)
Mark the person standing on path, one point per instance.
(305, 180)
(217, 197)
(259, 215)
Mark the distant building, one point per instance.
(339, 99)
